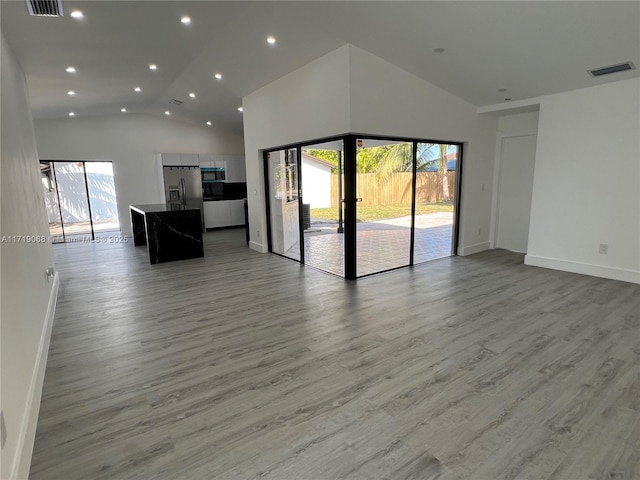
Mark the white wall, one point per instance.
(28, 297)
(519, 124)
(316, 180)
(586, 188)
(309, 103)
(131, 142)
(387, 100)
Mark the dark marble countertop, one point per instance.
(223, 199)
(163, 207)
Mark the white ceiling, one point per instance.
(530, 48)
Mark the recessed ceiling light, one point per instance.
(76, 14)
(209, 123)
(71, 92)
(186, 20)
(72, 114)
(137, 89)
(271, 40)
(502, 89)
(438, 50)
(153, 66)
(240, 109)
(70, 70)
(218, 76)
(192, 95)
(123, 110)
(167, 112)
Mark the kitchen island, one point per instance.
(170, 231)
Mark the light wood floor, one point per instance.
(242, 366)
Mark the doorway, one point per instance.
(515, 186)
(80, 200)
(364, 204)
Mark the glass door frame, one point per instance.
(86, 185)
(350, 170)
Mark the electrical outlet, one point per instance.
(604, 248)
(3, 430)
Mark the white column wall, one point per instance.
(586, 187)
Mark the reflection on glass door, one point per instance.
(435, 200)
(383, 209)
(80, 199)
(102, 197)
(74, 199)
(51, 201)
(322, 197)
(284, 207)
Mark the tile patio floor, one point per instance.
(381, 247)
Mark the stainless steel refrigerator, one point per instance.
(183, 185)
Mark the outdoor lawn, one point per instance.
(383, 212)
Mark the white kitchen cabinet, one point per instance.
(236, 212)
(205, 160)
(235, 171)
(189, 159)
(170, 159)
(223, 213)
(217, 214)
(179, 159)
(219, 163)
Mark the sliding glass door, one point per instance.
(384, 191)
(436, 181)
(322, 201)
(284, 203)
(80, 200)
(358, 205)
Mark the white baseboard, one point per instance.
(258, 247)
(621, 274)
(471, 249)
(27, 433)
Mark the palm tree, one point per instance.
(399, 158)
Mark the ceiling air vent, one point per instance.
(175, 102)
(620, 67)
(45, 8)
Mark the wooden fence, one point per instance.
(396, 188)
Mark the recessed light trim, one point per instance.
(271, 40)
(71, 92)
(153, 66)
(167, 112)
(240, 109)
(70, 70)
(123, 110)
(77, 14)
(72, 114)
(209, 123)
(192, 95)
(137, 89)
(218, 76)
(186, 20)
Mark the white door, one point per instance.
(515, 186)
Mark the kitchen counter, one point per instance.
(222, 199)
(170, 231)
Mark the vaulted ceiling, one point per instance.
(527, 48)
